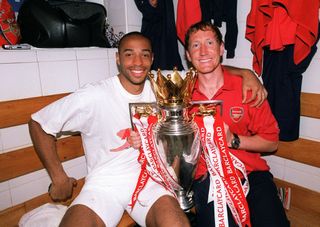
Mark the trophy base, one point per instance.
(185, 201)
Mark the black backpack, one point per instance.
(62, 23)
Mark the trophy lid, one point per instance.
(173, 90)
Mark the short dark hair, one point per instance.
(203, 26)
(131, 34)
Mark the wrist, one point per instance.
(59, 178)
(235, 142)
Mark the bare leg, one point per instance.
(80, 215)
(166, 212)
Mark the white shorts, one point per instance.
(109, 202)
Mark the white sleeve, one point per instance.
(65, 114)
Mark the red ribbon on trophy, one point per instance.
(224, 168)
(151, 163)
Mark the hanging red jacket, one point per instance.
(300, 26)
(188, 13)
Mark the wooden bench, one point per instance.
(305, 204)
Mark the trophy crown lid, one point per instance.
(173, 89)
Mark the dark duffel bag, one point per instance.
(62, 23)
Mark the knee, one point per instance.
(80, 215)
(167, 212)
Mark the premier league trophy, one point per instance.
(170, 139)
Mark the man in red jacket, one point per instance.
(233, 184)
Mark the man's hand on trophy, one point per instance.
(134, 140)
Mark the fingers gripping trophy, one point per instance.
(170, 139)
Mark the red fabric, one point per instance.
(8, 24)
(258, 121)
(188, 13)
(280, 31)
(282, 22)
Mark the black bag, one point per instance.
(62, 23)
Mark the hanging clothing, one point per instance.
(188, 13)
(285, 37)
(158, 24)
(283, 78)
(263, 14)
(219, 11)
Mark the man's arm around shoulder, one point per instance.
(250, 82)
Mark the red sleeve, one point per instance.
(263, 123)
(259, 16)
(307, 25)
(188, 13)
(304, 23)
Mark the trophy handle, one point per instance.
(143, 108)
(216, 102)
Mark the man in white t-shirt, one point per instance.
(99, 111)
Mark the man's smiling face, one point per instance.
(204, 51)
(134, 60)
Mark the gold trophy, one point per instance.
(175, 136)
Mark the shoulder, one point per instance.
(90, 93)
(232, 76)
(98, 86)
(232, 81)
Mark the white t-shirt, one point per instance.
(99, 111)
